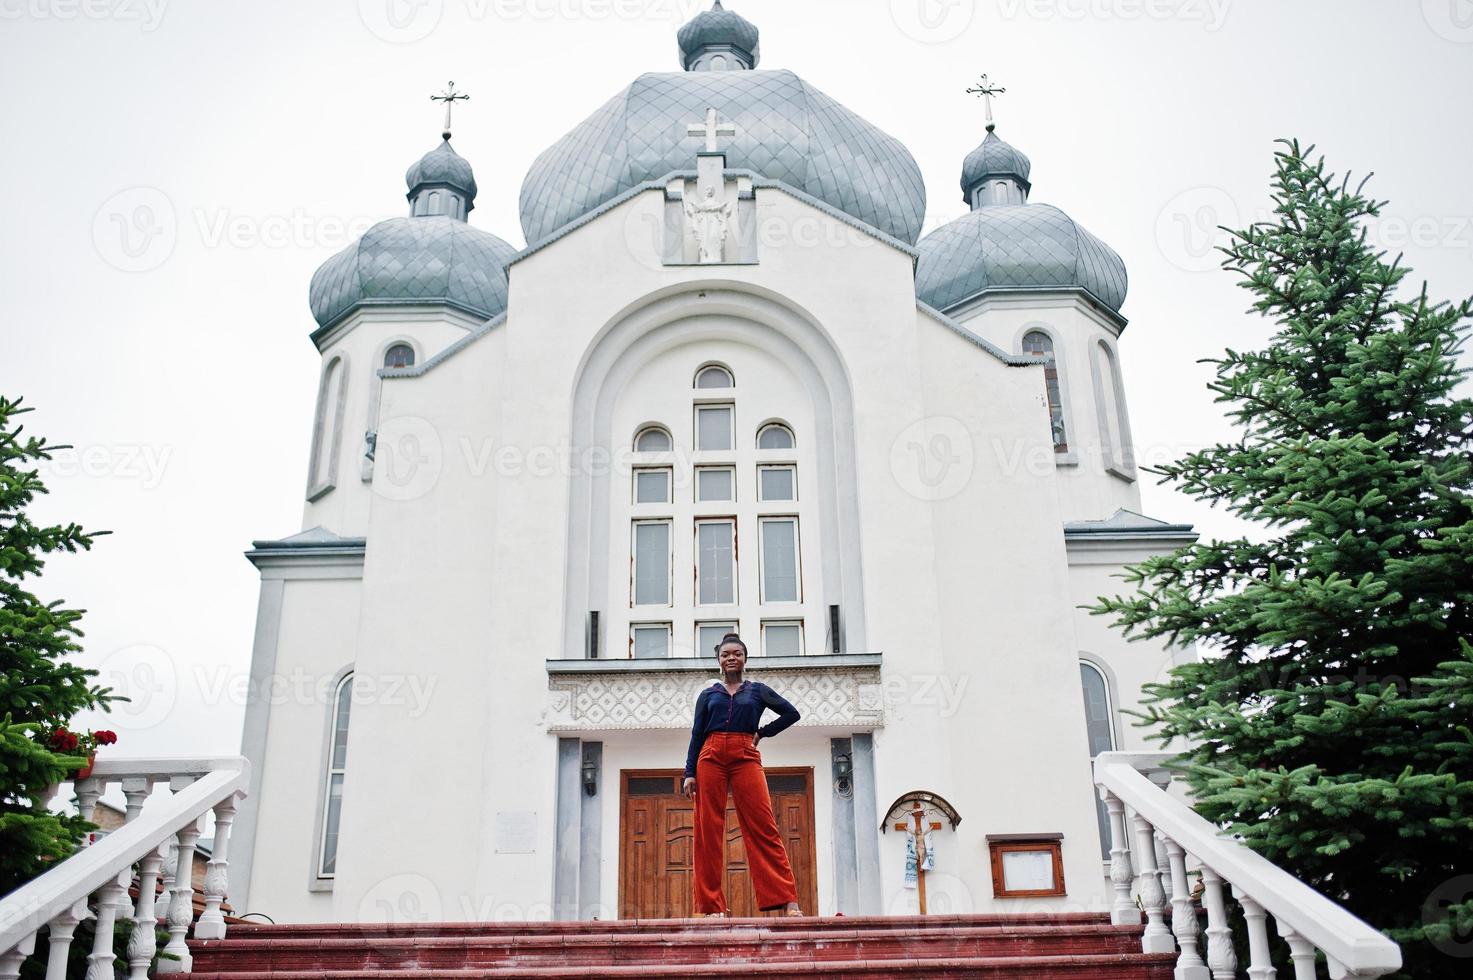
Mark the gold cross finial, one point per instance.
(987, 90)
(449, 97)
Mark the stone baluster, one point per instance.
(211, 923)
(143, 942)
(59, 936)
(1301, 951)
(1163, 867)
(89, 791)
(11, 960)
(109, 897)
(1124, 911)
(1260, 962)
(1221, 957)
(166, 889)
(181, 903)
(1157, 938)
(1184, 926)
(135, 791)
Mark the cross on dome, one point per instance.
(987, 90)
(711, 129)
(450, 97)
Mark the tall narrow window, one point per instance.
(651, 563)
(399, 356)
(1041, 345)
(713, 427)
(1100, 726)
(780, 559)
(715, 562)
(327, 431)
(337, 760)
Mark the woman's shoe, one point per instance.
(794, 912)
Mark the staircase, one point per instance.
(1036, 947)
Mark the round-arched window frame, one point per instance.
(775, 435)
(715, 376)
(399, 356)
(653, 439)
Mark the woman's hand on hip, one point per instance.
(756, 737)
(689, 787)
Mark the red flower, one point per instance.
(64, 740)
(105, 737)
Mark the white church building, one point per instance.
(726, 386)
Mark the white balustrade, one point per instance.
(1168, 836)
(94, 882)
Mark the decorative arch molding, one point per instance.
(327, 426)
(375, 396)
(1109, 390)
(688, 314)
(926, 799)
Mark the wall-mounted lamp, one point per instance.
(590, 776)
(843, 770)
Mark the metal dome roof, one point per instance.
(717, 26)
(428, 259)
(442, 165)
(994, 158)
(1016, 247)
(786, 130)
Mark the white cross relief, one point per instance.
(710, 129)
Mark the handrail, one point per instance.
(201, 785)
(1352, 946)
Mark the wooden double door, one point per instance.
(657, 844)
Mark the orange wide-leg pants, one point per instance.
(730, 760)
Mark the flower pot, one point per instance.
(86, 770)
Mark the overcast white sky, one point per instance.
(255, 137)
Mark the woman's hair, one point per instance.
(731, 638)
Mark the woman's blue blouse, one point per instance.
(717, 711)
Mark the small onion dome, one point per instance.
(995, 160)
(718, 40)
(1016, 248)
(413, 261)
(442, 169)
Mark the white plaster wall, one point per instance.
(364, 338)
(316, 641)
(1088, 489)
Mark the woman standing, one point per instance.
(723, 753)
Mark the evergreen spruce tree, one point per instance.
(40, 690)
(1330, 720)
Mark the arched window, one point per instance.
(1041, 345)
(337, 761)
(327, 429)
(653, 439)
(775, 435)
(1099, 720)
(399, 356)
(714, 376)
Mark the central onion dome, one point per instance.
(431, 256)
(787, 131)
(1007, 244)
